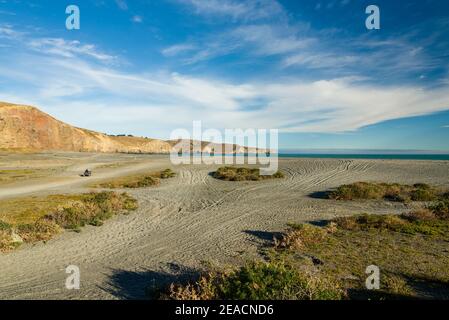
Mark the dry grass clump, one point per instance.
(41, 230)
(243, 174)
(137, 181)
(7, 241)
(205, 288)
(300, 235)
(167, 174)
(367, 222)
(386, 191)
(273, 280)
(441, 209)
(420, 215)
(92, 210)
(76, 212)
(432, 221)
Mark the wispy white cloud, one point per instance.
(319, 60)
(8, 32)
(137, 19)
(144, 99)
(53, 46)
(68, 79)
(298, 47)
(68, 49)
(269, 40)
(178, 49)
(245, 10)
(122, 4)
(259, 40)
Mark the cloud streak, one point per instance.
(70, 79)
(68, 49)
(122, 4)
(337, 105)
(248, 10)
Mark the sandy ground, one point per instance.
(188, 220)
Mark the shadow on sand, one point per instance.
(147, 284)
(264, 237)
(320, 195)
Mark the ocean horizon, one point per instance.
(353, 155)
(392, 156)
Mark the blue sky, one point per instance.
(308, 68)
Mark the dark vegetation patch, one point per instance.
(273, 280)
(387, 191)
(243, 174)
(137, 181)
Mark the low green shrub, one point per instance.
(167, 173)
(274, 280)
(367, 222)
(92, 210)
(41, 230)
(423, 195)
(138, 181)
(387, 191)
(300, 235)
(243, 174)
(358, 190)
(441, 209)
(418, 222)
(4, 225)
(6, 241)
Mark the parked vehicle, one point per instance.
(87, 173)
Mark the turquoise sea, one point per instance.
(368, 156)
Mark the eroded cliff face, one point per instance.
(26, 128)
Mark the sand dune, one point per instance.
(194, 218)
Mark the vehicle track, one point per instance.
(191, 218)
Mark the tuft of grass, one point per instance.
(7, 242)
(92, 210)
(299, 236)
(76, 212)
(423, 195)
(243, 174)
(41, 230)
(167, 174)
(420, 215)
(441, 209)
(387, 191)
(273, 280)
(137, 181)
(424, 221)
